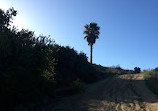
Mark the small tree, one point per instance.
(137, 70)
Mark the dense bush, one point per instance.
(137, 70)
(151, 77)
(26, 64)
(77, 85)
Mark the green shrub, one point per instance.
(77, 85)
(137, 70)
(27, 67)
(151, 78)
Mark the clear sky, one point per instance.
(129, 28)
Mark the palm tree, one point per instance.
(92, 33)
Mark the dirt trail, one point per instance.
(119, 93)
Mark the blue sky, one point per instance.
(129, 28)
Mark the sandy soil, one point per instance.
(118, 93)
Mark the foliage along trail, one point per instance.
(119, 93)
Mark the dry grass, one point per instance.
(151, 78)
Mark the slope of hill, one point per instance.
(118, 93)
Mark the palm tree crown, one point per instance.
(92, 33)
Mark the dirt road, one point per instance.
(119, 93)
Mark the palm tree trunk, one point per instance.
(91, 53)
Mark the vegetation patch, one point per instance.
(151, 78)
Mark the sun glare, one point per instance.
(16, 20)
(17, 23)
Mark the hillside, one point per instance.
(119, 93)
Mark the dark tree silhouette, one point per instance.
(92, 33)
(137, 70)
